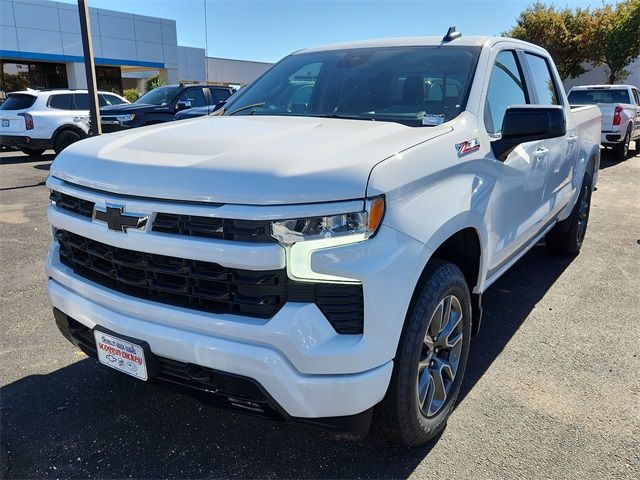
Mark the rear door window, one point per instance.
(61, 102)
(543, 83)
(81, 101)
(113, 99)
(18, 101)
(636, 95)
(219, 94)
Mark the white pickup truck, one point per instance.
(318, 250)
(620, 109)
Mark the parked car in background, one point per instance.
(161, 105)
(223, 94)
(37, 120)
(319, 251)
(620, 107)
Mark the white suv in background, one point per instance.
(37, 120)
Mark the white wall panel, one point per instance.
(42, 16)
(44, 41)
(8, 38)
(119, 48)
(116, 26)
(149, 52)
(6, 14)
(148, 31)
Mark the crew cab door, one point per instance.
(558, 164)
(514, 215)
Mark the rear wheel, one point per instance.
(65, 138)
(567, 236)
(32, 152)
(431, 358)
(621, 150)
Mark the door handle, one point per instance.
(540, 153)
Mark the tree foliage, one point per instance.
(615, 38)
(155, 81)
(131, 94)
(608, 36)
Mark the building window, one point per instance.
(20, 76)
(109, 79)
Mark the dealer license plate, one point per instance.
(5, 122)
(120, 354)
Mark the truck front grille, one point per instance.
(76, 205)
(208, 286)
(210, 227)
(175, 281)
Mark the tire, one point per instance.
(403, 416)
(621, 150)
(567, 236)
(33, 152)
(64, 138)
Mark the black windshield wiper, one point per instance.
(345, 117)
(247, 107)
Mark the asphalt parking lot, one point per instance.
(552, 388)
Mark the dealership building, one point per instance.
(41, 47)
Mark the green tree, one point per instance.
(559, 31)
(131, 94)
(614, 38)
(155, 81)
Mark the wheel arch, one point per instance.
(68, 126)
(464, 245)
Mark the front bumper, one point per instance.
(296, 356)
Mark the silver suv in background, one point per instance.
(37, 120)
(620, 107)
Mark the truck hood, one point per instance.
(257, 160)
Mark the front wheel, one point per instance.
(431, 358)
(567, 236)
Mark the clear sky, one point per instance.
(266, 30)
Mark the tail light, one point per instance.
(28, 120)
(617, 117)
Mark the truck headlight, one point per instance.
(361, 224)
(303, 236)
(126, 118)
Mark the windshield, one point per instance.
(159, 96)
(415, 86)
(603, 95)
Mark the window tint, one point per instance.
(602, 95)
(17, 102)
(219, 94)
(63, 102)
(543, 83)
(112, 99)
(193, 96)
(506, 88)
(636, 95)
(81, 101)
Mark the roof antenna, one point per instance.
(451, 34)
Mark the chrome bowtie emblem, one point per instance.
(117, 219)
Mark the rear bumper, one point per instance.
(22, 141)
(611, 138)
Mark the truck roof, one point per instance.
(466, 41)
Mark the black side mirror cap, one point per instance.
(528, 123)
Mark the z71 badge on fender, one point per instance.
(467, 147)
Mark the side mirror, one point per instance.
(183, 105)
(528, 123)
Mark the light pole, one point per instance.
(89, 67)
